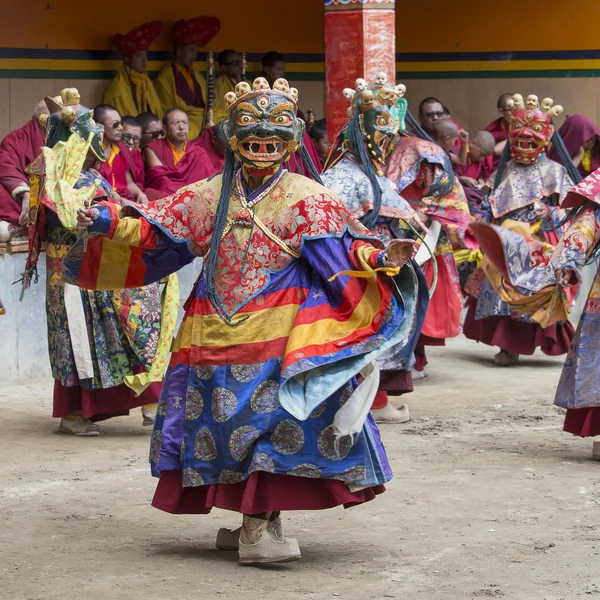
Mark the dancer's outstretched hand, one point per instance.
(84, 219)
(399, 252)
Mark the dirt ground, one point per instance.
(490, 500)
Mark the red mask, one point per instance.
(529, 134)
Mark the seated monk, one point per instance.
(214, 142)
(17, 150)
(136, 173)
(230, 63)
(499, 127)
(114, 170)
(175, 162)
(131, 91)
(445, 135)
(179, 85)
(152, 128)
(477, 169)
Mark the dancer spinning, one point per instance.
(354, 172)
(526, 189)
(260, 410)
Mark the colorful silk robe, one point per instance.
(529, 282)
(265, 391)
(545, 183)
(349, 181)
(423, 175)
(123, 325)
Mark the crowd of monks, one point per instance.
(158, 137)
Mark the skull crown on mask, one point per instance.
(263, 129)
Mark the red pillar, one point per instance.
(360, 41)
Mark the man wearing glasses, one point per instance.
(152, 128)
(230, 63)
(431, 111)
(114, 170)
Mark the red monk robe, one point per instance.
(114, 170)
(172, 175)
(476, 170)
(295, 165)
(17, 150)
(500, 132)
(136, 166)
(206, 141)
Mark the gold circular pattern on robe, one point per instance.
(230, 477)
(241, 441)
(332, 449)
(191, 478)
(246, 373)
(345, 393)
(315, 414)
(352, 475)
(161, 409)
(194, 404)
(155, 446)
(205, 447)
(261, 462)
(306, 470)
(203, 373)
(265, 398)
(288, 437)
(224, 404)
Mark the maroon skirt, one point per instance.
(99, 405)
(584, 422)
(261, 492)
(516, 336)
(396, 383)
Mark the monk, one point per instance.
(136, 172)
(131, 91)
(175, 162)
(152, 128)
(318, 135)
(479, 164)
(582, 141)
(114, 170)
(431, 110)
(499, 127)
(214, 142)
(179, 84)
(17, 150)
(445, 134)
(230, 63)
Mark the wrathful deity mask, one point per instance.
(263, 129)
(380, 108)
(531, 127)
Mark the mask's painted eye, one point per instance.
(383, 121)
(282, 120)
(244, 120)
(517, 126)
(537, 127)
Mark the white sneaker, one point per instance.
(259, 544)
(80, 426)
(417, 375)
(149, 417)
(596, 450)
(389, 414)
